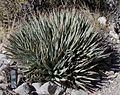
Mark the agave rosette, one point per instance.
(61, 47)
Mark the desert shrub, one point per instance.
(60, 47)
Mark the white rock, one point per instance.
(1, 92)
(58, 90)
(99, 94)
(112, 76)
(4, 51)
(102, 20)
(114, 35)
(37, 87)
(109, 73)
(23, 89)
(78, 92)
(44, 88)
(111, 81)
(49, 88)
(4, 60)
(3, 66)
(4, 86)
(2, 78)
(68, 91)
(1, 47)
(2, 56)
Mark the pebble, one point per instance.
(102, 20)
(78, 92)
(112, 76)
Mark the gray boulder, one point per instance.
(44, 89)
(37, 87)
(23, 89)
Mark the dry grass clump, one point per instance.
(8, 14)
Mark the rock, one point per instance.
(112, 76)
(99, 94)
(102, 20)
(3, 66)
(20, 79)
(3, 86)
(44, 89)
(37, 86)
(116, 74)
(114, 35)
(32, 88)
(33, 93)
(4, 60)
(4, 51)
(23, 89)
(112, 4)
(110, 81)
(52, 88)
(109, 73)
(116, 18)
(78, 92)
(68, 91)
(61, 90)
(93, 93)
(58, 90)
(48, 89)
(2, 78)
(1, 92)
(1, 47)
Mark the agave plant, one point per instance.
(60, 47)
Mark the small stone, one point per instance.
(112, 76)
(92, 93)
(114, 35)
(4, 51)
(4, 60)
(68, 91)
(109, 73)
(3, 86)
(116, 74)
(2, 78)
(102, 20)
(99, 94)
(1, 92)
(58, 90)
(110, 81)
(78, 92)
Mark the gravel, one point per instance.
(112, 87)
